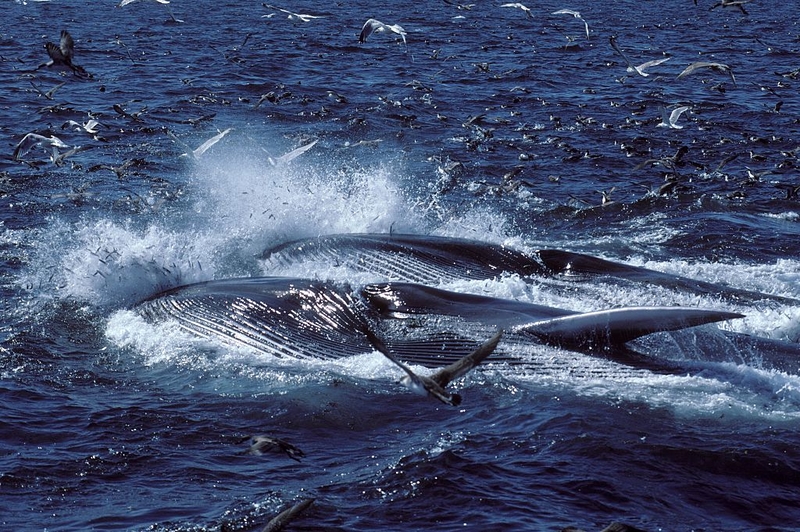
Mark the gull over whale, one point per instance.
(313, 317)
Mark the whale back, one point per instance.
(413, 258)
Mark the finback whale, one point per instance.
(306, 318)
(435, 259)
(314, 317)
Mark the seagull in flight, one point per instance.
(719, 67)
(376, 26)
(34, 139)
(200, 150)
(61, 54)
(575, 14)
(639, 69)
(523, 7)
(294, 17)
(124, 3)
(434, 386)
(671, 120)
(261, 444)
(294, 154)
(732, 3)
(90, 126)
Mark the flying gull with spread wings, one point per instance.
(434, 386)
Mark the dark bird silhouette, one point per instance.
(434, 386)
(261, 444)
(62, 54)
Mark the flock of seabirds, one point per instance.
(62, 56)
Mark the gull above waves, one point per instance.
(719, 67)
(62, 54)
(200, 150)
(575, 14)
(124, 3)
(732, 3)
(434, 386)
(376, 26)
(523, 7)
(48, 94)
(671, 120)
(90, 126)
(263, 443)
(294, 154)
(294, 17)
(34, 139)
(639, 69)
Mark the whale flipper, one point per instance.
(409, 308)
(617, 326)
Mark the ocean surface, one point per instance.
(488, 124)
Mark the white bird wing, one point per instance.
(283, 159)
(269, 6)
(655, 62)
(575, 14)
(124, 3)
(91, 126)
(34, 139)
(187, 150)
(676, 114)
(210, 142)
(370, 26)
(396, 28)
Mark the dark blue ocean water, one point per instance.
(489, 125)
